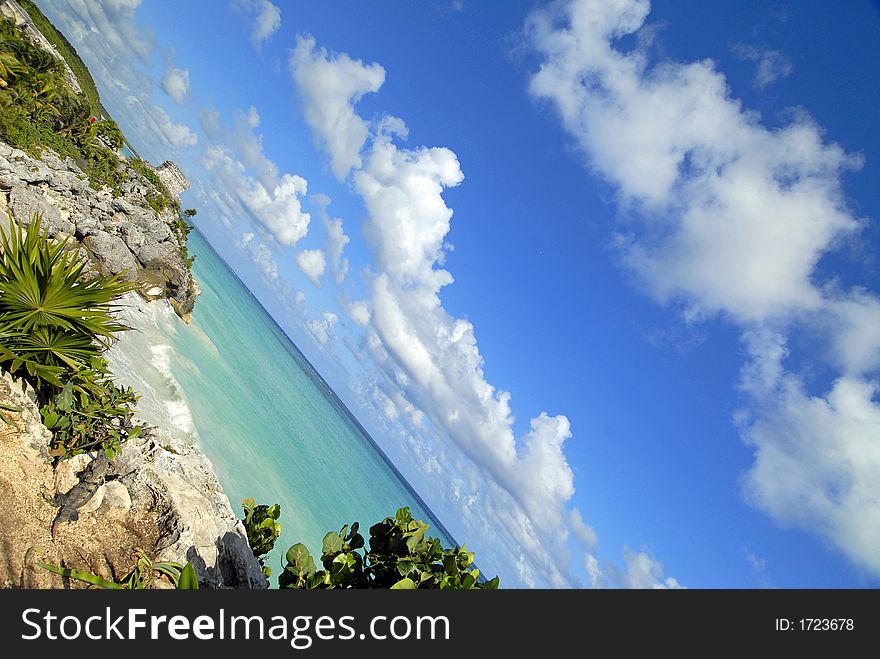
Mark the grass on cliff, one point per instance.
(39, 111)
(68, 52)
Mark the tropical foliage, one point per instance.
(400, 556)
(52, 322)
(39, 110)
(263, 529)
(143, 575)
(55, 325)
(68, 52)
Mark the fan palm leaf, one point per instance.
(49, 315)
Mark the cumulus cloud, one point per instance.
(817, 458)
(643, 571)
(176, 84)
(336, 238)
(737, 214)
(585, 533)
(276, 211)
(732, 218)
(320, 327)
(265, 19)
(260, 255)
(330, 85)
(433, 357)
(770, 65)
(176, 135)
(312, 263)
(359, 311)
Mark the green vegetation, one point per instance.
(68, 52)
(190, 212)
(400, 556)
(181, 230)
(162, 198)
(262, 529)
(54, 328)
(142, 575)
(39, 110)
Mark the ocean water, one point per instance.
(234, 384)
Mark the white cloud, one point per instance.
(585, 533)
(336, 238)
(817, 458)
(176, 135)
(770, 65)
(359, 312)
(211, 123)
(737, 215)
(260, 254)
(276, 211)
(732, 217)
(320, 327)
(330, 85)
(176, 84)
(265, 17)
(855, 331)
(433, 359)
(312, 263)
(642, 571)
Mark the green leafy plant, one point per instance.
(90, 415)
(52, 322)
(401, 556)
(54, 328)
(262, 529)
(68, 52)
(142, 575)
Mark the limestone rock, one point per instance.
(112, 254)
(25, 202)
(197, 521)
(167, 502)
(70, 206)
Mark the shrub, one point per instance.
(400, 556)
(54, 327)
(52, 323)
(262, 529)
(90, 416)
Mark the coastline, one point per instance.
(334, 399)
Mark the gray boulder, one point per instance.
(25, 202)
(196, 518)
(151, 252)
(112, 254)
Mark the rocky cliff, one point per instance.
(88, 513)
(159, 495)
(122, 234)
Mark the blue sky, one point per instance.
(600, 277)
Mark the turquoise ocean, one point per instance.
(233, 383)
